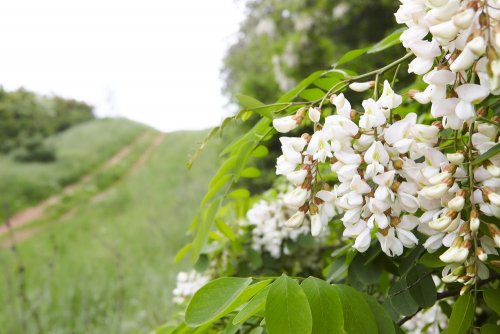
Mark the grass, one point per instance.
(109, 269)
(79, 150)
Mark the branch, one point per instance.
(449, 293)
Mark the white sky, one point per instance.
(154, 61)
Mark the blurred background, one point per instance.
(100, 104)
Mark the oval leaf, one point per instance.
(462, 314)
(492, 299)
(215, 299)
(357, 315)
(325, 306)
(287, 308)
(382, 318)
(255, 305)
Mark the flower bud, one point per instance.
(463, 61)
(296, 198)
(481, 255)
(306, 137)
(474, 220)
(477, 46)
(316, 225)
(361, 86)
(436, 191)
(455, 158)
(297, 177)
(445, 31)
(464, 289)
(457, 203)
(296, 220)
(490, 196)
(464, 229)
(464, 19)
(285, 124)
(314, 114)
(441, 223)
(495, 234)
(398, 164)
(439, 178)
(492, 169)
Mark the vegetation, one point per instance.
(27, 118)
(108, 267)
(25, 184)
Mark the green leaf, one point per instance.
(260, 152)
(225, 229)
(488, 154)
(462, 314)
(255, 305)
(203, 229)
(325, 306)
(364, 269)
(337, 269)
(401, 299)
(182, 252)
(312, 94)
(224, 169)
(422, 287)
(358, 317)
(215, 299)
(490, 329)
(242, 158)
(387, 42)
(353, 54)
(248, 102)
(287, 308)
(432, 260)
(410, 259)
(214, 188)
(383, 320)
(202, 264)
(492, 299)
(328, 83)
(290, 95)
(239, 193)
(250, 172)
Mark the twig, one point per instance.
(448, 293)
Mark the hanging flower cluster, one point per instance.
(393, 176)
(269, 232)
(187, 284)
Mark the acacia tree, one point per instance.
(384, 217)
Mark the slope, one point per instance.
(109, 266)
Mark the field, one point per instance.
(103, 263)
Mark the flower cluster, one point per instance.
(394, 175)
(187, 284)
(269, 232)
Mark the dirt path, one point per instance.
(28, 215)
(36, 212)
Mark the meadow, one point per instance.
(109, 266)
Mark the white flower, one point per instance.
(296, 198)
(361, 86)
(285, 124)
(390, 245)
(297, 177)
(469, 94)
(455, 158)
(319, 147)
(343, 106)
(314, 114)
(435, 191)
(187, 284)
(295, 220)
(399, 134)
(339, 127)
(373, 116)
(472, 51)
(376, 157)
(362, 241)
(389, 99)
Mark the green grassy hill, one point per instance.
(106, 265)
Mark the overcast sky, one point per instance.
(155, 61)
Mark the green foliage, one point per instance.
(325, 306)
(27, 183)
(93, 272)
(287, 308)
(27, 118)
(215, 299)
(462, 314)
(281, 42)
